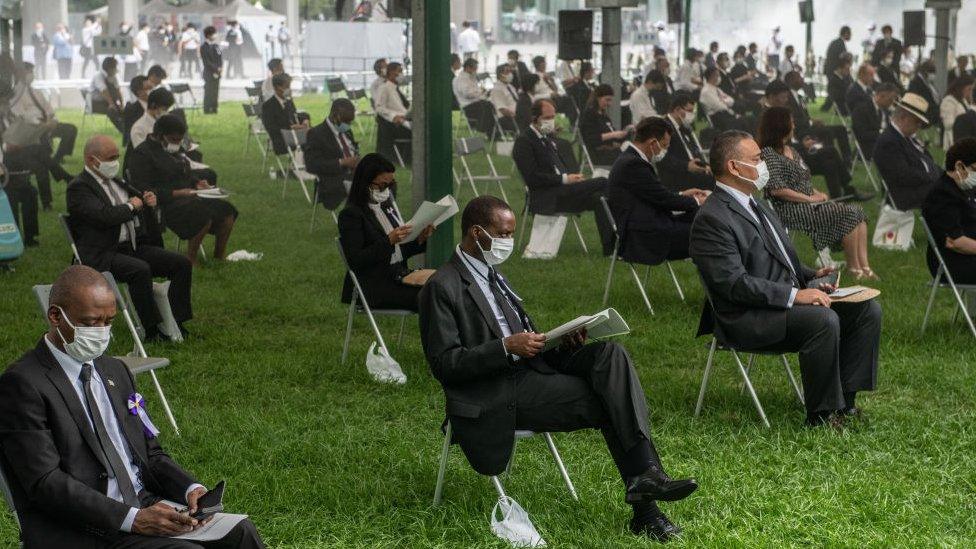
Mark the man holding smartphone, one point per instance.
(85, 472)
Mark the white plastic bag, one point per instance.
(504, 148)
(382, 367)
(244, 255)
(894, 229)
(511, 523)
(547, 235)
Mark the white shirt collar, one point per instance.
(742, 198)
(537, 132)
(475, 265)
(639, 152)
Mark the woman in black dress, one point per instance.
(371, 230)
(799, 206)
(950, 212)
(159, 165)
(601, 139)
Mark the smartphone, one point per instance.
(210, 503)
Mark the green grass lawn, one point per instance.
(321, 456)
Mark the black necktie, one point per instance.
(690, 141)
(403, 98)
(511, 90)
(554, 155)
(771, 240)
(116, 466)
(510, 306)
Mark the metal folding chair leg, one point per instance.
(403, 323)
(789, 374)
(640, 286)
(559, 464)
(935, 288)
(579, 233)
(705, 375)
(677, 284)
(749, 387)
(606, 289)
(315, 204)
(445, 453)
(352, 314)
(498, 486)
(752, 360)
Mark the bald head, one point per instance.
(74, 281)
(100, 148)
(85, 297)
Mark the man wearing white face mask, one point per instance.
(486, 351)
(551, 173)
(83, 471)
(107, 218)
(684, 166)
(644, 209)
(504, 96)
(761, 293)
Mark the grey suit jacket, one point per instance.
(748, 282)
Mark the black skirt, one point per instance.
(186, 216)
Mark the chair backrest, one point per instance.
(65, 222)
(179, 88)
(335, 85)
(469, 145)
(249, 110)
(356, 95)
(253, 92)
(935, 250)
(258, 83)
(352, 275)
(42, 294)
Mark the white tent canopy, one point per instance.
(254, 22)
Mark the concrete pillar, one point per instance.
(432, 163)
(49, 12)
(289, 8)
(610, 58)
(944, 10)
(119, 11)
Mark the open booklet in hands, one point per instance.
(431, 213)
(605, 324)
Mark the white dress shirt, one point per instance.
(141, 129)
(375, 86)
(950, 109)
(686, 72)
(566, 70)
(190, 39)
(744, 200)
(22, 106)
(715, 100)
(479, 270)
(387, 102)
(469, 40)
(641, 104)
(99, 83)
(267, 89)
(88, 35)
(141, 41)
(466, 89)
(503, 96)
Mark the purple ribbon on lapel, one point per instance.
(137, 407)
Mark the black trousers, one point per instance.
(838, 348)
(392, 295)
(597, 387)
(827, 162)
(585, 197)
(211, 89)
(66, 134)
(388, 133)
(137, 268)
(833, 135)
(243, 536)
(481, 116)
(37, 160)
(100, 106)
(23, 202)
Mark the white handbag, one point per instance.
(547, 235)
(382, 367)
(510, 522)
(894, 229)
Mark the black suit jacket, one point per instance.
(275, 118)
(95, 222)
(662, 97)
(521, 70)
(965, 126)
(801, 117)
(673, 167)
(49, 453)
(919, 86)
(367, 249)
(748, 281)
(132, 112)
(533, 157)
(880, 49)
(866, 124)
(908, 172)
(642, 207)
(322, 155)
(889, 76)
(835, 49)
(213, 60)
(463, 345)
(837, 87)
(856, 95)
(727, 84)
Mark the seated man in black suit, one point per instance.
(922, 85)
(662, 96)
(107, 217)
(644, 209)
(487, 353)
(279, 113)
(863, 87)
(870, 118)
(83, 471)
(838, 82)
(760, 291)
(903, 162)
(552, 176)
(684, 166)
(331, 153)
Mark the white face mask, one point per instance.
(108, 168)
(499, 250)
(547, 126)
(689, 119)
(379, 196)
(969, 183)
(762, 177)
(90, 341)
(660, 155)
(172, 148)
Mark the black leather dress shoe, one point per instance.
(650, 528)
(833, 420)
(655, 485)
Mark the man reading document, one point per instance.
(485, 350)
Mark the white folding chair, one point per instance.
(359, 298)
(614, 258)
(253, 94)
(255, 129)
(294, 139)
(468, 146)
(185, 98)
(357, 96)
(943, 279)
(528, 215)
(716, 345)
(69, 236)
(137, 364)
(496, 482)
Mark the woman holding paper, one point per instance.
(372, 233)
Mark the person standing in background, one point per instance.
(213, 65)
(468, 41)
(41, 44)
(91, 29)
(63, 51)
(140, 45)
(235, 56)
(284, 40)
(269, 43)
(773, 49)
(189, 51)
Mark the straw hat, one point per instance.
(914, 104)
